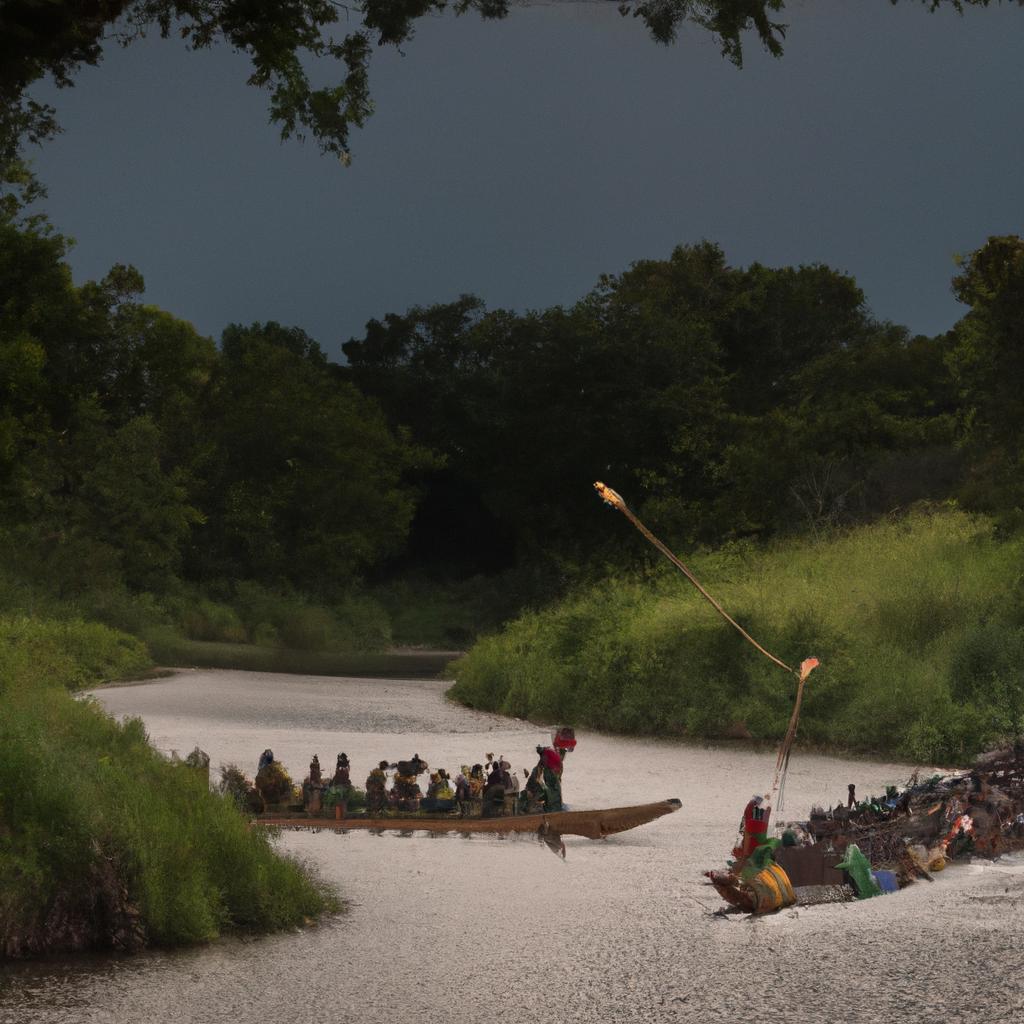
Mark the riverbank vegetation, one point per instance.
(104, 843)
(252, 502)
(918, 623)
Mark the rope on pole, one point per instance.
(615, 500)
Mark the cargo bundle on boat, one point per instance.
(860, 849)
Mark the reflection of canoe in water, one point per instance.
(592, 824)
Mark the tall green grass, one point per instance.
(103, 842)
(919, 625)
(169, 648)
(251, 613)
(448, 615)
(72, 654)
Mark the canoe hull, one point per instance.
(592, 824)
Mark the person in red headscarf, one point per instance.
(550, 764)
(754, 827)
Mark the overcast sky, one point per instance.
(519, 160)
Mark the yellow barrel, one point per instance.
(772, 890)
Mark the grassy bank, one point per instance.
(919, 625)
(169, 648)
(103, 842)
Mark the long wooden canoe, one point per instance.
(592, 824)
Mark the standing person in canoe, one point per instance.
(550, 764)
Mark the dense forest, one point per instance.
(253, 489)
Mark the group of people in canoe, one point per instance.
(489, 788)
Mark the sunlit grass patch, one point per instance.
(917, 622)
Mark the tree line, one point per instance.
(724, 402)
(134, 450)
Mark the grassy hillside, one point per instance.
(919, 625)
(103, 842)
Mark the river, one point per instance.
(450, 929)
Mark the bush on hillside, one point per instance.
(70, 654)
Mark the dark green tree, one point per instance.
(988, 363)
(863, 428)
(128, 502)
(98, 421)
(305, 483)
(724, 401)
(530, 410)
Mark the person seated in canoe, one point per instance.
(511, 779)
(341, 773)
(499, 776)
(532, 798)
(341, 784)
(406, 791)
(313, 787)
(473, 781)
(376, 789)
(462, 790)
(499, 783)
(440, 795)
(272, 781)
(469, 789)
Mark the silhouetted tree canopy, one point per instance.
(41, 38)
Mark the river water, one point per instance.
(450, 929)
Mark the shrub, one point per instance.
(264, 634)
(358, 623)
(309, 628)
(73, 654)
(131, 613)
(363, 623)
(236, 785)
(208, 620)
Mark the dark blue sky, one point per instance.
(519, 160)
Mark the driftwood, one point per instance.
(594, 824)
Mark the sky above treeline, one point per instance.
(519, 160)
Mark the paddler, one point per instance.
(376, 788)
(499, 783)
(531, 800)
(341, 773)
(551, 773)
(406, 790)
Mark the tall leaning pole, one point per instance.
(807, 666)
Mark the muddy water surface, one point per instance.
(480, 929)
